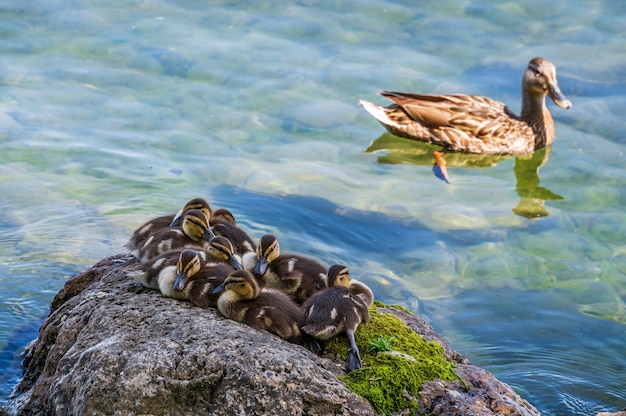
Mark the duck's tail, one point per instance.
(396, 121)
(377, 111)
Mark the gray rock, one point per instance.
(112, 347)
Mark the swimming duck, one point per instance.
(243, 300)
(196, 279)
(193, 232)
(291, 273)
(141, 234)
(475, 124)
(339, 308)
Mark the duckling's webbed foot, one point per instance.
(312, 344)
(354, 357)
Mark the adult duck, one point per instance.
(475, 124)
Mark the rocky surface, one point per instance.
(112, 347)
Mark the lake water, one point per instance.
(114, 112)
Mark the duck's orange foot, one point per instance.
(439, 167)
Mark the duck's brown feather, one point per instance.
(476, 124)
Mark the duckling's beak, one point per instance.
(219, 288)
(261, 266)
(234, 261)
(180, 282)
(178, 219)
(557, 96)
(208, 234)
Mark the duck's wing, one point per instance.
(474, 114)
(461, 122)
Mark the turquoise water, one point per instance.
(112, 113)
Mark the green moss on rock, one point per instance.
(399, 307)
(390, 380)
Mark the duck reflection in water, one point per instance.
(532, 195)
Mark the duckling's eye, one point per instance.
(195, 222)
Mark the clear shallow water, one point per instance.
(112, 114)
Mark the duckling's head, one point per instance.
(196, 225)
(221, 249)
(189, 263)
(540, 78)
(196, 203)
(338, 276)
(242, 283)
(224, 215)
(267, 251)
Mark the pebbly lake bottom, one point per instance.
(538, 341)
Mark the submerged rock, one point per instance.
(111, 346)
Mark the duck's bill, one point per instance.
(261, 266)
(234, 261)
(557, 97)
(208, 234)
(219, 288)
(178, 219)
(180, 282)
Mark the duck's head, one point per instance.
(196, 225)
(338, 276)
(196, 203)
(241, 282)
(540, 78)
(221, 249)
(224, 215)
(189, 264)
(266, 252)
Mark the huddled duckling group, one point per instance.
(202, 256)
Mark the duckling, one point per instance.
(339, 308)
(224, 215)
(291, 273)
(196, 203)
(148, 273)
(193, 232)
(141, 234)
(264, 309)
(241, 241)
(197, 279)
(161, 273)
(221, 249)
